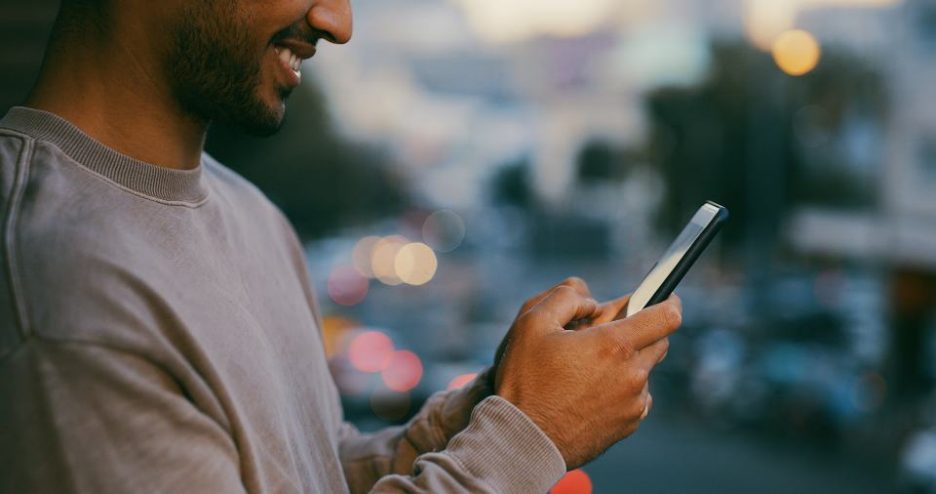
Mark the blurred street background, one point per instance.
(459, 156)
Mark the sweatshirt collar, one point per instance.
(151, 180)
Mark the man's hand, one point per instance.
(586, 389)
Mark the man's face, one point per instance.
(236, 61)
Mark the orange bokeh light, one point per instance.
(574, 482)
(796, 52)
(371, 351)
(462, 380)
(334, 329)
(403, 372)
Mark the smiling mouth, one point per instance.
(291, 51)
(289, 59)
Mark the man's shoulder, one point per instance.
(238, 192)
(230, 181)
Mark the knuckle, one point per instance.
(641, 376)
(526, 319)
(574, 281)
(529, 305)
(636, 380)
(635, 411)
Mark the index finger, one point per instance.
(647, 326)
(562, 305)
(573, 281)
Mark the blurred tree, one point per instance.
(600, 161)
(511, 186)
(761, 142)
(321, 181)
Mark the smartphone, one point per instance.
(678, 258)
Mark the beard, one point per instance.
(214, 73)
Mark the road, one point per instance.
(669, 456)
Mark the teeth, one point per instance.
(290, 59)
(285, 56)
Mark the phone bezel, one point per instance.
(692, 254)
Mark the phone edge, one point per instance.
(676, 276)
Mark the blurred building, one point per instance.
(897, 237)
(902, 230)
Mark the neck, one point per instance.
(111, 92)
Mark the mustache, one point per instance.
(300, 31)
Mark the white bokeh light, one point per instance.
(516, 20)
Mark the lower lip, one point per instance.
(290, 78)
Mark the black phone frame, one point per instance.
(695, 250)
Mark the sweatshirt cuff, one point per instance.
(504, 448)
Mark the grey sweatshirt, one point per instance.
(159, 333)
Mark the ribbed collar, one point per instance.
(155, 181)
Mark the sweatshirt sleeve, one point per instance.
(461, 441)
(79, 417)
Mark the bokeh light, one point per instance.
(574, 482)
(361, 255)
(764, 20)
(516, 20)
(415, 264)
(462, 380)
(796, 52)
(403, 371)
(383, 259)
(347, 286)
(334, 328)
(390, 406)
(371, 351)
(443, 230)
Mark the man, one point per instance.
(159, 333)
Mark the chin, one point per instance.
(262, 118)
(263, 128)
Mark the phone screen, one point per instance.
(671, 258)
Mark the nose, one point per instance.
(332, 18)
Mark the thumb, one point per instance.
(611, 310)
